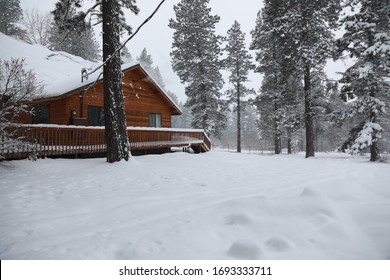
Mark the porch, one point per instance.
(61, 140)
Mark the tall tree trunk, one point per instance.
(374, 149)
(308, 113)
(205, 118)
(289, 148)
(238, 119)
(277, 139)
(114, 112)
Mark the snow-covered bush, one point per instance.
(370, 133)
(17, 87)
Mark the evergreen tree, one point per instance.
(301, 35)
(250, 135)
(195, 58)
(158, 77)
(126, 55)
(10, 14)
(325, 101)
(238, 63)
(277, 70)
(366, 84)
(180, 121)
(112, 16)
(268, 104)
(289, 113)
(184, 120)
(147, 62)
(81, 42)
(309, 24)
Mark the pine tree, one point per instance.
(195, 58)
(238, 63)
(81, 42)
(366, 84)
(180, 121)
(250, 133)
(147, 62)
(301, 35)
(325, 101)
(10, 14)
(126, 55)
(268, 104)
(309, 24)
(276, 69)
(112, 16)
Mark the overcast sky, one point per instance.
(156, 36)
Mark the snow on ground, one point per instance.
(216, 205)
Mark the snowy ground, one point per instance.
(216, 205)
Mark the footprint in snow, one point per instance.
(322, 219)
(278, 244)
(308, 192)
(245, 250)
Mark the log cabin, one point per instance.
(68, 116)
(146, 103)
(72, 123)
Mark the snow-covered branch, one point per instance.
(82, 16)
(17, 87)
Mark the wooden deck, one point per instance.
(61, 140)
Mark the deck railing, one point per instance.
(52, 140)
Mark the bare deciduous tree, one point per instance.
(17, 87)
(37, 27)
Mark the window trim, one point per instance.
(155, 120)
(98, 115)
(37, 115)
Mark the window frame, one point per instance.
(155, 120)
(41, 114)
(95, 115)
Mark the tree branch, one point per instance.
(90, 10)
(128, 39)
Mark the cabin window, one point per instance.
(155, 120)
(95, 116)
(41, 114)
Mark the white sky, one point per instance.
(156, 36)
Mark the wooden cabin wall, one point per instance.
(58, 113)
(140, 100)
(80, 100)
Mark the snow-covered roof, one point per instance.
(59, 72)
